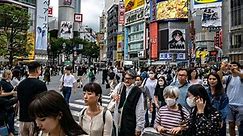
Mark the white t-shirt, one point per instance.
(69, 80)
(235, 91)
(151, 85)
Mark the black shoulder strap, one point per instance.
(145, 80)
(181, 111)
(227, 82)
(104, 113)
(82, 114)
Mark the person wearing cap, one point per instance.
(27, 90)
(129, 112)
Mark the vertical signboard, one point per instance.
(153, 40)
(121, 13)
(153, 10)
(119, 42)
(126, 45)
(41, 24)
(31, 43)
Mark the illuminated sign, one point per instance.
(177, 40)
(206, 1)
(133, 4)
(134, 16)
(172, 9)
(78, 17)
(169, 56)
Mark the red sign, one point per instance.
(121, 13)
(78, 17)
(50, 11)
(153, 40)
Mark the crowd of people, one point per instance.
(172, 100)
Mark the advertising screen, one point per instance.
(172, 9)
(133, 4)
(177, 40)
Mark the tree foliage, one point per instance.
(14, 25)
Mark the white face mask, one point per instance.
(170, 101)
(151, 75)
(190, 102)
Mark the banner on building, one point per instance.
(119, 42)
(207, 3)
(172, 9)
(66, 30)
(169, 56)
(134, 16)
(147, 9)
(121, 13)
(177, 40)
(153, 10)
(118, 56)
(154, 40)
(41, 25)
(133, 4)
(212, 17)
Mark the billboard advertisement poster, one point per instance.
(118, 56)
(177, 40)
(133, 4)
(41, 25)
(172, 9)
(211, 17)
(154, 40)
(121, 13)
(206, 3)
(66, 30)
(119, 42)
(134, 16)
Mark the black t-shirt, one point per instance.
(26, 92)
(159, 92)
(7, 87)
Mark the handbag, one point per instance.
(111, 105)
(62, 89)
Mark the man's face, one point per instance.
(224, 65)
(233, 66)
(182, 76)
(128, 80)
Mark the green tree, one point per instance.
(14, 25)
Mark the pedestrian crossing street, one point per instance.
(76, 106)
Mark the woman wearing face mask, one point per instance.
(205, 119)
(144, 89)
(172, 118)
(218, 98)
(158, 94)
(151, 83)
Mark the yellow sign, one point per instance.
(119, 42)
(203, 54)
(172, 9)
(118, 56)
(206, 1)
(31, 46)
(132, 4)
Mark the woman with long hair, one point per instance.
(219, 98)
(158, 94)
(52, 115)
(205, 119)
(193, 77)
(95, 119)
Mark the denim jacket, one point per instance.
(221, 103)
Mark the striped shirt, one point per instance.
(169, 119)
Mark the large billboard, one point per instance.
(133, 4)
(66, 29)
(154, 40)
(172, 9)
(177, 40)
(207, 3)
(211, 17)
(41, 25)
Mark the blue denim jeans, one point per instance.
(67, 93)
(235, 114)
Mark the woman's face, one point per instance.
(48, 124)
(212, 80)
(90, 98)
(161, 81)
(193, 74)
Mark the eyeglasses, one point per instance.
(181, 75)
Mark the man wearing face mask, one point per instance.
(151, 83)
(183, 86)
(129, 106)
(171, 118)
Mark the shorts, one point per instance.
(235, 114)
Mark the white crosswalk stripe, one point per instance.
(76, 106)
